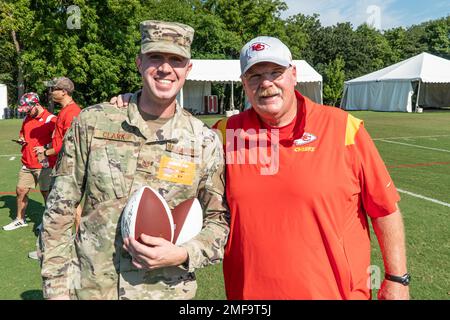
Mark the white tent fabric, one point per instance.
(392, 88)
(215, 70)
(3, 100)
(378, 96)
(198, 82)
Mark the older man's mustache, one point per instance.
(269, 92)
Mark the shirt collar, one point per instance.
(135, 119)
(42, 114)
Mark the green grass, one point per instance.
(427, 224)
(210, 120)
(19, 276)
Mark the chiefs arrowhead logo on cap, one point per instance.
(258, 46)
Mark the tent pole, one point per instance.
(418, 94)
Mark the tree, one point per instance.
(249, 18)
(212, 39)
(99, 52)
(334, 81)
(438, 37)
(374, 51)
(15, 16)
(301, 33)
(406, 43)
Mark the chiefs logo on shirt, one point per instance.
(306, 138)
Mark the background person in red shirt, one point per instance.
(37, 129)
(62, 89)
(299, 226)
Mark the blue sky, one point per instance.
(382, 14)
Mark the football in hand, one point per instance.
(147, 212)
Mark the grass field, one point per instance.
(415, 147)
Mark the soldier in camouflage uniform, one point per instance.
(108, 154)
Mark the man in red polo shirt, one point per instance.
(62, 89)
(37, 129)
(302, 179)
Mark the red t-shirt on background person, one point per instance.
(36, 132)
(63, 124)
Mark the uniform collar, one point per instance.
(164, 134)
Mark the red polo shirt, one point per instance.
(37, 132)
(63, 123)
(299, 225)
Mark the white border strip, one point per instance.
(9, 155)
(413, 145)
(391, 138)
(424, 198)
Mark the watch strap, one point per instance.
(404, 279)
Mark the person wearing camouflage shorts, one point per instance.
(110, 152)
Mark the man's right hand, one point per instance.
(121, 100)
(21, 141)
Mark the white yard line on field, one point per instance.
(12, 158)
(424, 198)
(9, 155)
(414, 137)
(414, 145)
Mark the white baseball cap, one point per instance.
(264, 49)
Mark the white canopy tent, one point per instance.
(204, 72)
(393, 88)
(3, 100)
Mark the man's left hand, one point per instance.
(122, 100)
(39, 149)
(154, 253)
(393, 291)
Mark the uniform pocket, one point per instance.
(64, 166)
(116, 169)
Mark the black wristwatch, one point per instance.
(404, 279)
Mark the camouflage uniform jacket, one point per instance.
(109, 153)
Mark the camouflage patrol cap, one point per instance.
(61, 83)
(168, 37)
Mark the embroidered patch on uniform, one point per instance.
(305, 139)
(176, 170)
(118, 136)
(181, 150)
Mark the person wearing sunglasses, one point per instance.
(37, 129)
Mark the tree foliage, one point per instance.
(334, 81)
(96, 46)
